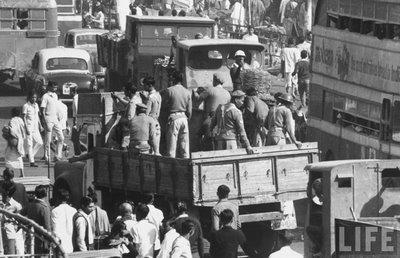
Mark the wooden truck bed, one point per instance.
(272, 174)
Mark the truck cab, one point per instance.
(359, 190)
(198, 60)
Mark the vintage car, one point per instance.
(86, 39)
(65, 66)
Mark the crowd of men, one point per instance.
(140, 230)
(33, 123)
(229, 120)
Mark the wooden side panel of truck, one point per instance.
(272, 174)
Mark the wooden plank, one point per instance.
(256, 177)
(260, 150)
(263, 216)
(254, 156)
(105, 253)
(290, 172)
(213, 176)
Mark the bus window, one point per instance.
(385, 120)
(328, 105)
(396, 122)
(6, 22)
(22, 16)
(391, 178)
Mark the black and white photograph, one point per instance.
(200, 128)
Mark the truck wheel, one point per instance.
(3, 78)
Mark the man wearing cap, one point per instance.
(153, 111)
(142, 131)
(212, 97)
(179, 106)
(228, 121)
(237, 69)
(280, 121)
(255, 114)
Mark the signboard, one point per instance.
(365, 62)
(358, 239)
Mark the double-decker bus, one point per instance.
(69, 17)
(355, 86)
(25, 27)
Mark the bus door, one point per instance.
(395, 132)
(386, 117)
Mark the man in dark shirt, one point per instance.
(39, 211)
(196, 240)
(255, 114)
(20, 192)
(224, 243)
(142, 131)
(302, 69)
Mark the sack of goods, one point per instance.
(258, 79)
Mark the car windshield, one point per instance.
(86, 40)
(213, 57)
(66, 63)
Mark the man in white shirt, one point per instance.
(144, 233)
(286, 240)
(169, 238)
(181, 245)
(155, 216)
(304, 45)
(289, 57)
(126, 215)
(98, 19)
(49, 108)
(62, 221)
(250, 36)
(83, 235)
(30, 111)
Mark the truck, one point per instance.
(355, 197)
(130, 56)
(259, 182)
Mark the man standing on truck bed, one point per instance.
(237, 69)
(255, 114)
(179, 104)
(228, 120)
(280, 121)
(212, 97)
(142, 131)
(153, 111)
(133, 99)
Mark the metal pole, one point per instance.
(32, 241)
(109, 14)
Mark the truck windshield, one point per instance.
(200, 58)
(190, 32)
(86, 39)
(66, 63)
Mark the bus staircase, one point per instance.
(32, 231)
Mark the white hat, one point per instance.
(240, 53)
